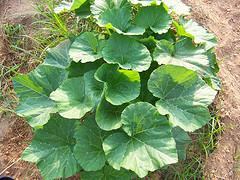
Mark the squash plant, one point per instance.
(117, 102)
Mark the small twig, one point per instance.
(10, 166)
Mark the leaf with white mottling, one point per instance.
(148, 144)
(72, 102)
(184, 96)
(52, 149)
(34, 90)
(121, 86)
(88, 151)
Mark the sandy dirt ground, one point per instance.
(221, 17)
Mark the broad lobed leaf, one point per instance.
(34, 90)
(147, 144)
(121, 86)
(128, 53)
(72, 102)
(184, 96)
(52, 149)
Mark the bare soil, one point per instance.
(221, 17)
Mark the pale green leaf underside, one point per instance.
(68, 6)
(88, 150)
(177, 6)
(121, 86)
(154, 17)
(183, 53)
(85, 48)
(72, 102)
(64, 6)
(51, 148)
(195, 31)
(151, 145)
(108, 173)
(128, 53)
(120, 20)
(34, 90)
(108, 116)
(59, 55)
(184, 96)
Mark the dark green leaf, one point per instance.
(79, 69)
(154, 17)
(108, 116)
(149, 146)
(128, 53)
(184, 96)
(72, 102)
(121, 86)
(108, 173)
(182, 140)
(84, 10)
(52, 149)
(88, 150)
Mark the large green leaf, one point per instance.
(197, 33)
(182, 140)
(88, 150)
(34, 90)
(128, 53)
(177, 6)
(79, 69)
(121, 86)
(86, 48)
(59, 56)
(52, 149)
(154, 17)
(184, 96)
(148, 144)
(108, 116)
(101, 5)
(93, 88)
(72, 102)
(120, 20)
(183, 53)
(108, 173)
